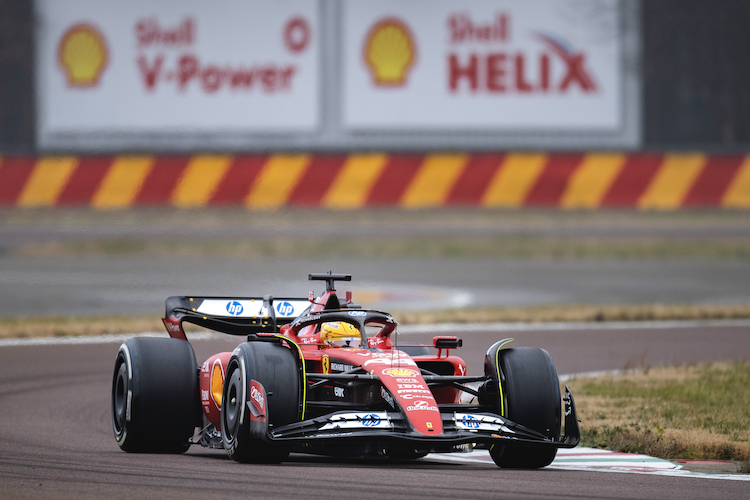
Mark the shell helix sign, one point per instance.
(537, 65)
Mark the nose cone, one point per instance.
(403, 380)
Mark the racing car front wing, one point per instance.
(458, 428)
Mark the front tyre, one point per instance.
(529, 395)
(155, 398)
(273, 368)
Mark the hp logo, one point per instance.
(234, 308)
(470, 421)
(285, 309)
(371, 420)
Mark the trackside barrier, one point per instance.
(351, 181)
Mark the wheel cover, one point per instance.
(120, 398)
(232, 404)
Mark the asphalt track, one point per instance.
(103, 285)
(70, 284)
(56, 438)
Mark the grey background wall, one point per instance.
(696, 74)
(16, 76)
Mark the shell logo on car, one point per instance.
(389, 52)
(83, 55)
(400, 372)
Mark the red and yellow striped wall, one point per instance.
(350, 181)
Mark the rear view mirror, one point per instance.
(447, 342)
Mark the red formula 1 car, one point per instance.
(323, 376)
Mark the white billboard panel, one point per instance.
(536, 65)
(176, 66)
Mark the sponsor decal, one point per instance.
(257, 398)
(340, 367)
(389, 52)
(375, 341)
(401, 372)
(83, 55)
(387, 361)
(411, 386)
(371, 420)
(326, 364)
(407, 380)
(285, 309)
(411, 391)
(357, 313)
(387, 397)
(234, 308)
(470, 422)
(172, 327)
(309, 319)
(421, 405)
(204, 395)
(356, 421)
(413, 396)
(338, 392)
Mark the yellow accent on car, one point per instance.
(217, 383)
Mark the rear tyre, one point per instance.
(530, 397)
(275, 368)
(155, 398)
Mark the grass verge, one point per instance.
(697, 412)
(23, 327)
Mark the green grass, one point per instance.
(691, 412)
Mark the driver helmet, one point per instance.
(340, 334)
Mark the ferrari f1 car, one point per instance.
(321, 375)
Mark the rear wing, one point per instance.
(232, 315)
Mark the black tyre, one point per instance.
(155, 398)
(530, 396)
(275, 367)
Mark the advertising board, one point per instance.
(307, 75)
(177, 66)
(533, 65)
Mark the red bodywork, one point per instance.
(399, 373)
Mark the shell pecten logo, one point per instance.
(389, 52)
(83, 55)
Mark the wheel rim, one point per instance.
(120, 397)
(232, 404)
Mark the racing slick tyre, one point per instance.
(155, 398)
(529, 395)
(261, 391)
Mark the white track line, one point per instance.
(594, 460)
